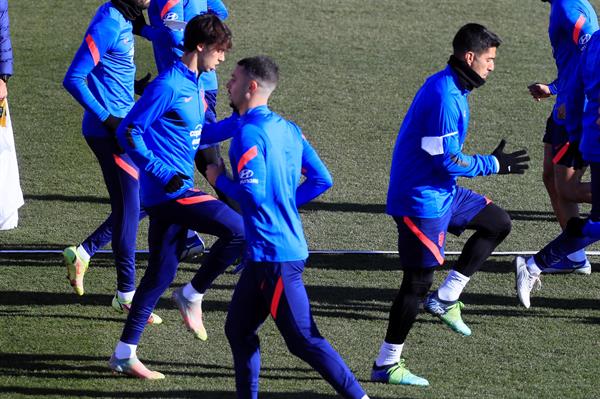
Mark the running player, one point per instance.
(426, 202)
(167, 20)
(101, 79)
(267, 156)
(162, 133)
(571, 24)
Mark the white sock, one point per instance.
(533, 267)
(125, 296)
(453, 286)
(83, 253)
(365, 397)
(190, 293)
(389, 354)
(578, 256)
(125, 351)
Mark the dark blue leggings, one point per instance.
(121, 179)
(277, 289)
(169, 222)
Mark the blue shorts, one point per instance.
(421, 241)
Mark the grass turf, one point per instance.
(349, 71)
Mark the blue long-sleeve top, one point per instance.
(268, 155)
(167, 22)
(428, 155)
(102, 73)
(584, 102)
(571, 24)
(163, 130)
(6, 54)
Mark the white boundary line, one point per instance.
(315, 252)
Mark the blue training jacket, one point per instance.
(583, 115)
(6, 55)
(268, 155)
(572, 22)
(164, 129)
(428, 154)
(167, 36)
(102, 73)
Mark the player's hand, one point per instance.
(140, 85)
(539, 91)
(112, 123)
(176, 182)
(213, 171)
(138, 24)
(513, 162)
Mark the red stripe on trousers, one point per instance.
(196, 200)
(130, 170)
(423, 238)
(560, 153)
(276, 298)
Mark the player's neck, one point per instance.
(190, 60)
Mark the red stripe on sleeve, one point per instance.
(93, 48)
(577, 29)
(423, 238)
(276, 298)
(167, 7)
(247, 157)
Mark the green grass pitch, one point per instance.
(349, 71)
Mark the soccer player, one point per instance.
(571, 24)
(267, 155)
(426, 202)
(581, 125)
(101, 79)
(167, 20)
(162, 133)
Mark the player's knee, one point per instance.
(575, 227)
(494, 222)
(418, 281)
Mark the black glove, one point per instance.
(140, 85)
(138, 24)
(176, 182)
(514, 162)
(112, 123)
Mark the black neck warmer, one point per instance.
(467, 78)
(128, 8)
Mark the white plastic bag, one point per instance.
(11, 196)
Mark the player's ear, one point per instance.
(253, 86)
(200, 47)
(469, 57)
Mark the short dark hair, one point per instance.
(262, 69)
(476, 38)
(206, 29)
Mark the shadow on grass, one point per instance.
(79, 367)
(67, 198)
